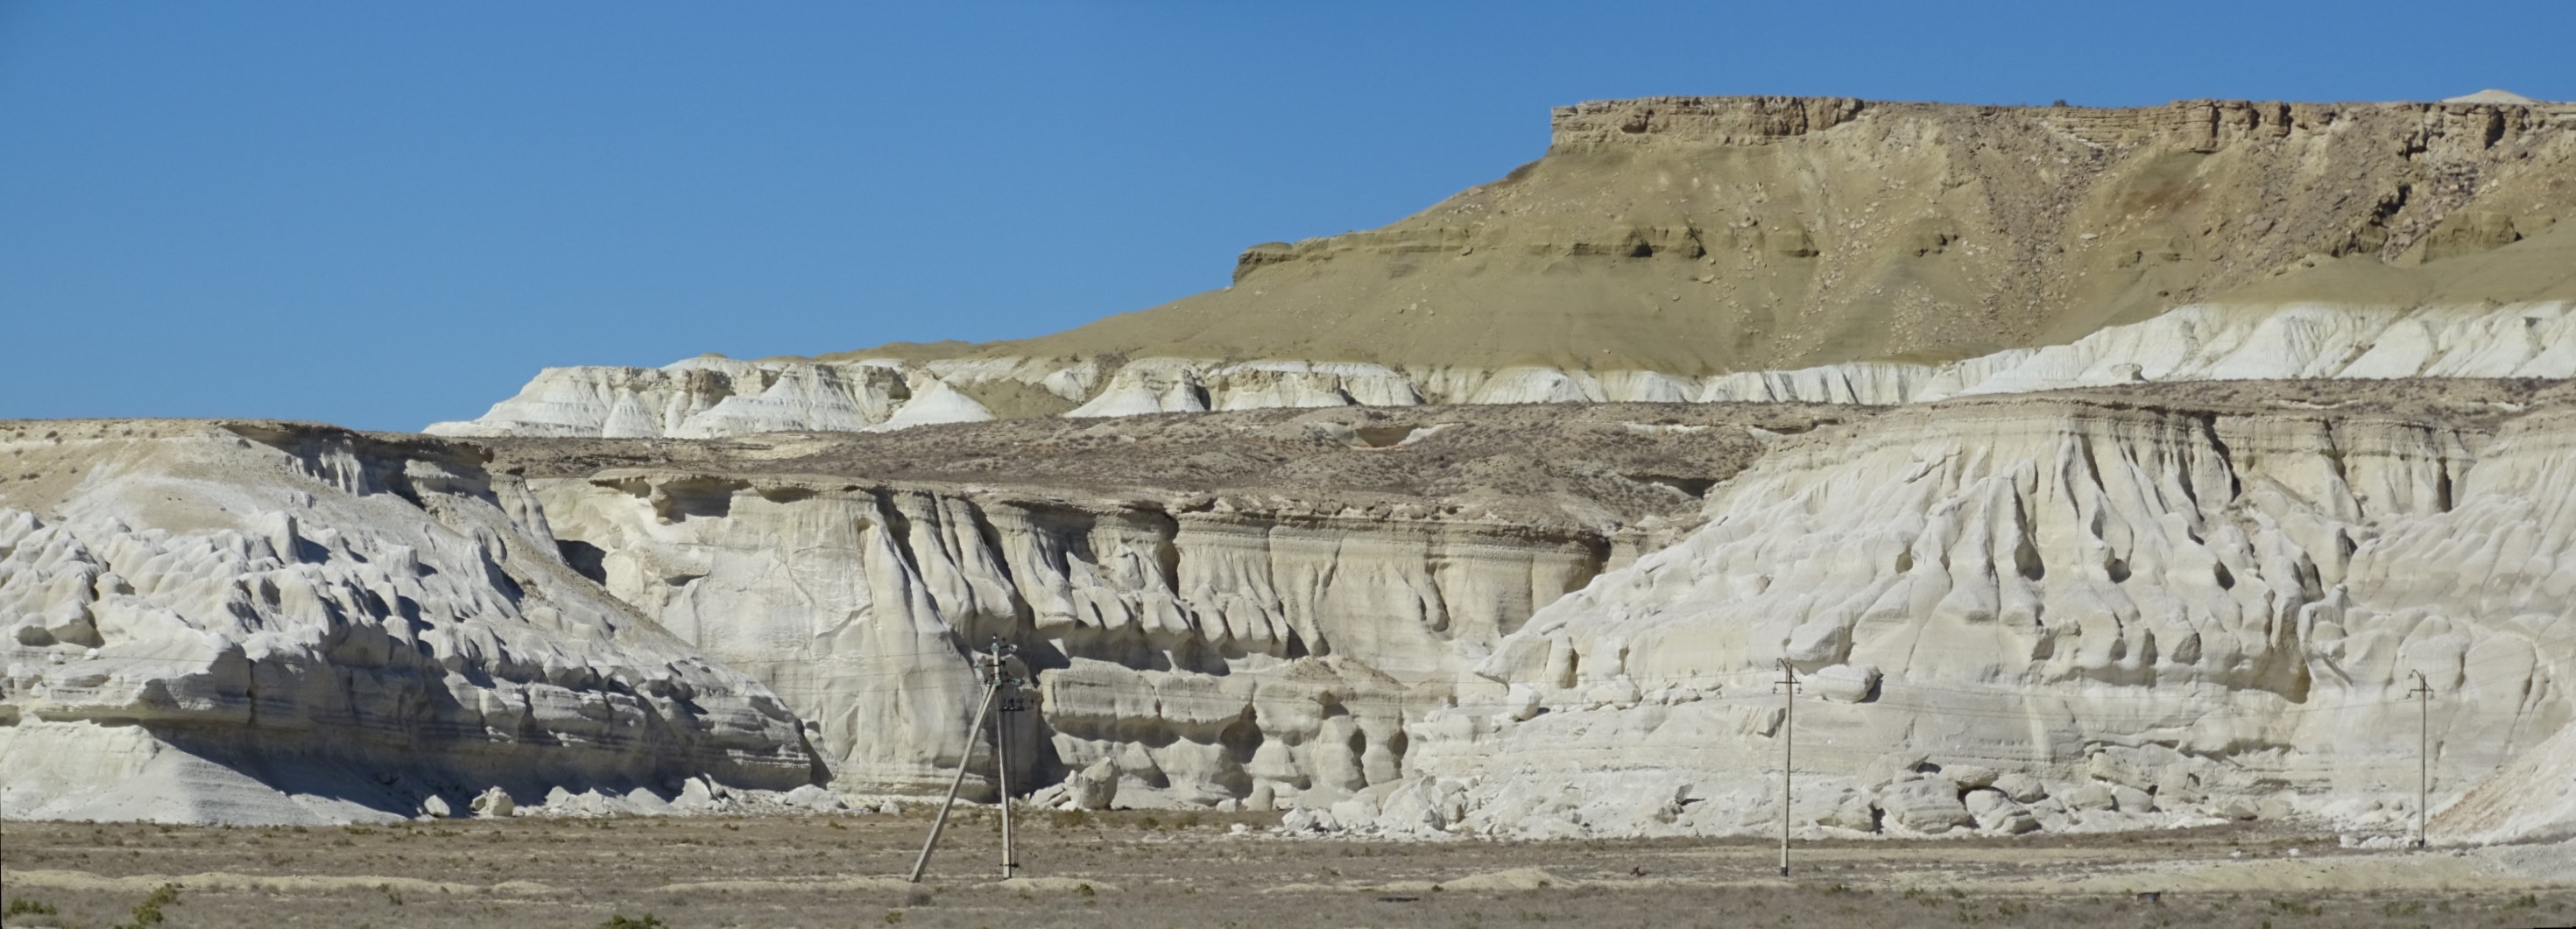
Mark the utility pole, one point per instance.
(1002, 750)
(1788, 687)
(2422, 693)
(989, 670)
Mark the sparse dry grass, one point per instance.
(1113, 869)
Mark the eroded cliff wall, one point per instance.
(251, 622)
(1777, 248)
(2157, 614)
(1217, 607)
(2115, 608)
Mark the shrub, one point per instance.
(623, 921)
(148, 912)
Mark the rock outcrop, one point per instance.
(2115, 608)
(251, 622)
(1715, 248)
(1187, 614)
(2263, 339)
(2162, 614)
(2112, 608)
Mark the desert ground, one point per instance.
(1173, 869)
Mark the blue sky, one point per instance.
(384, 214)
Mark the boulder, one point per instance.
(2022, 788)
(2132, 800)
(1095, 787)
(493, 804)
(1410, 809)
(1305, 819)
(1844, 683)
(1969, 776)
(2235, 808)
(435, 807)
(2141, 767)
(812, 797)
(2178, 784)
(698, 796)
(1853, 811)
(1052, 796)
(2089, 796)
(1999, 814)
(1930, 805)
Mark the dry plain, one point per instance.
(1170, 869)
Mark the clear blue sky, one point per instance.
(384, 214)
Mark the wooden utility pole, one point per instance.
(2422, 693)
(1788, 687)
(1002, 750)
(990, 671)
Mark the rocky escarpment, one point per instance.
(1702, 235)
(2120, 607)
(259, 622)
(2409, 329)
(2137, 612)
(1224, 610)
(1717, 248)
(2110, 609)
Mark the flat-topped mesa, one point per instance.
(1713, 248)
(1721, 120)
(2194, 125)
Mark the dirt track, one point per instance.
(1145, 869)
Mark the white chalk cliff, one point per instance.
(2110, 609)
(2070, 613)
(273, 623)
(2140, 491)
(2155, 615)
(700, 398)
(1154, 623)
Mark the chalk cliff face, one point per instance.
(1154, 629)
(2158, 614)
(262, 622)
(2108, 609)
(1814, 249)
(2112, 608)
(2262, 339)
(1212, 631)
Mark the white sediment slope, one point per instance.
(275, 623)
(1169, 639)
(702, 398)
(2144, 617)
(2077, 612)
(2060, 613)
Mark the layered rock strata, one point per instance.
(1812, 249)
(2115, 608)
(2207, 342)
(2154, 613)
(250, 622)
(1223, 610)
